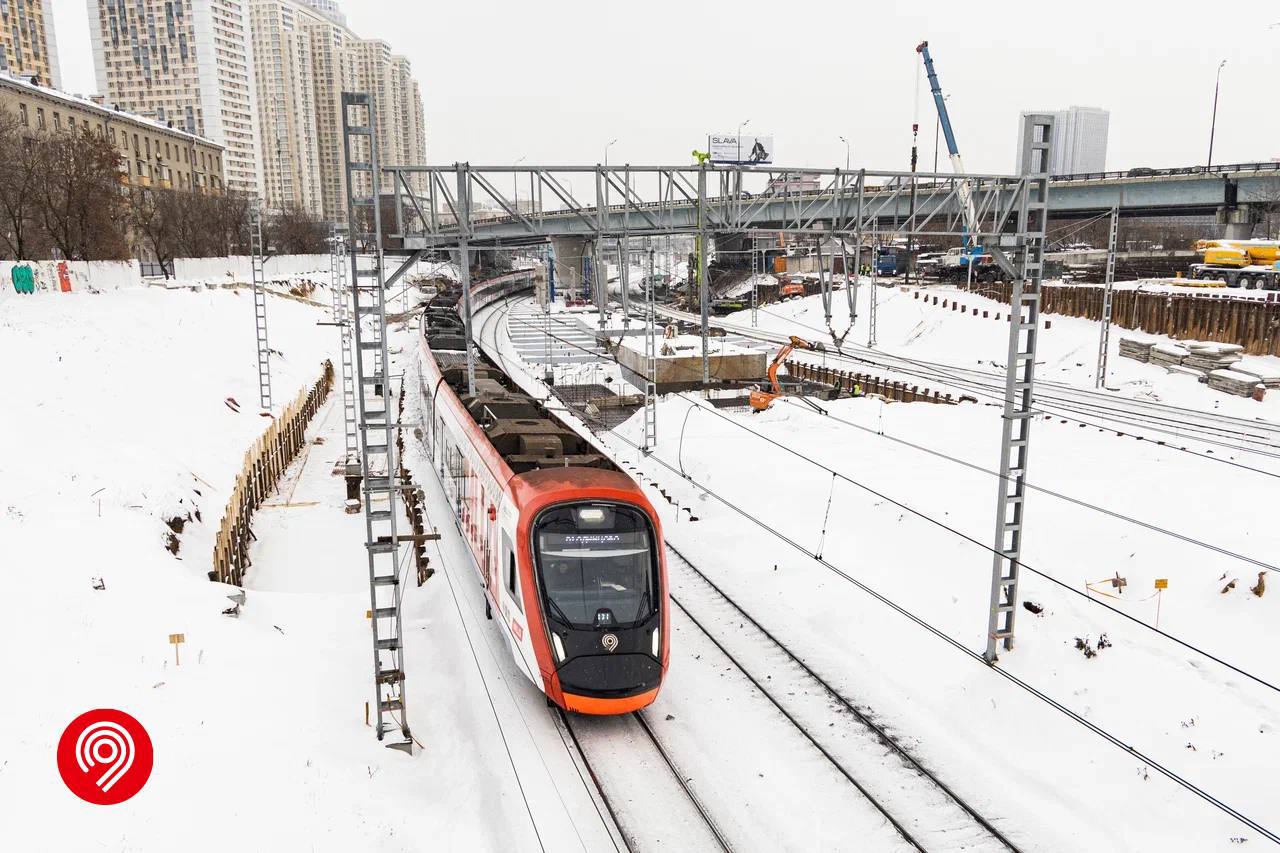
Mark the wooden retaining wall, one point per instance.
(1252, 323)
(264, 462)
(871, 384)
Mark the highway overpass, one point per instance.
(649, 200)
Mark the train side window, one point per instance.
(513, 582)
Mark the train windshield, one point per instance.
(597, 565)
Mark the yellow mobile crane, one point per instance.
(1240, 263)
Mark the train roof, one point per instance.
(555, 484)
(517, 426)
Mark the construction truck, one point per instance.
(956, 263)
(1240, 263)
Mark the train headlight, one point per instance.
(657, 641)
(591, 515)
(559, 646)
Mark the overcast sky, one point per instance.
(554, 82)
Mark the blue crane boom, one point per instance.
(953, 151)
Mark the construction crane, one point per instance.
(760, 399)
(962, 190)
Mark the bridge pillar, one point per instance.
(569, 252)
(1238, 221)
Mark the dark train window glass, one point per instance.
(596, 564)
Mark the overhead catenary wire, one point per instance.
(493, 707)
(931, 370)
(973, 655)
(1038, 572)
(962, 535)
(1068, 498)
(978, 658)
(1134, 419)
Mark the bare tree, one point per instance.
(1266, 200)
(20, 155)
(82, 207)
(228, 222)
(295, 231)
(156, 216)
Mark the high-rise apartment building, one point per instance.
(330, 9)
(27, 44)
(265, 79)
(188, 63)
(1079, 141)
(304, 58)
(287, 90)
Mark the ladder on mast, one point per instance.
(257, 264)
(377, 426)
(1024, 331)
(1108, 290)
(338, 265)
(650, 361)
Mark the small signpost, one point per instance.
(1161, 585)
(176, 640)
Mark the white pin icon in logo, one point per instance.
(610, 642)
(105, 743)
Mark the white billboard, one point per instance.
(747, 150)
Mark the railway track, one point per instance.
(926, 812)
(670, 814)
(1254, 436)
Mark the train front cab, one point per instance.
(601, 588)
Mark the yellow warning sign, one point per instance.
(1162, 583)
(177, 638)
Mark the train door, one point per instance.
(485, 549)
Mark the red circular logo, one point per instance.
(105, 756)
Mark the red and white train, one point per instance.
(568, 547)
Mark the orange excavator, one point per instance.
(761, 400)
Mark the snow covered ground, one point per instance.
(1067, 352)
(1054, 783)
(115, 414)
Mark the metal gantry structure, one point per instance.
(1019, 390)
(257, 265)
(1108, 290)
(338, 284)
(378, 427)
(650, 359)
(435, 210)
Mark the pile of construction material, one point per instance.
(1221, 366)
(1168, 355)
(1210, 357)
(1265, 376)
(1135, 349)
(1233, 382)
